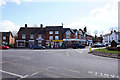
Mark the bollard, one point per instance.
(90, 49)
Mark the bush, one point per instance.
(113, 44)
(118, 48)
(112, 48)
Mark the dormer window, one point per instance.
(68, 34)
(23, 36)
(76, 35)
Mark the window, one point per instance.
(56, 37)
(50, 37)
(79, 36)
(31, 36)
(68, 34)
(23, 36)
(76, 35)
(40, 43)
(4, 37)
(56, 32)
(39, 36)
(50, 32)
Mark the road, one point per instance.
(56, 63)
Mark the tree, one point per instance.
(113, 44)
(95, 33)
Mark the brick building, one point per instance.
(50, 36)
(6, 38)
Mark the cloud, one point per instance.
(2, 2)
(100, 19)
(18, 2)
(6, 26)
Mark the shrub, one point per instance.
(113, 44)
(112, 48)
(118, 48)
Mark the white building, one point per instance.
(108, 38)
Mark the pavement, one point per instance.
(56, 63)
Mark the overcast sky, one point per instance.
(95, 15)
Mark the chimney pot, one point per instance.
(25, 25)
(41, 25)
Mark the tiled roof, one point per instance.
(6, 33)
(65, 29)
(53, 28)
(31, 30)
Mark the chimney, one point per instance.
(25, 25)
(62, 24)
(85, 29)
(111, 32)
(41, 25)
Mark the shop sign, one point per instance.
(39, 39)
(57, 40)
(20, 40)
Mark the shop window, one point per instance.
(50, 32)
(56, 37)
(4, 37)
(56, 32)
(21, 44)
(23, 36)
(31, 36)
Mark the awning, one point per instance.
(74, 40)
(20, 40)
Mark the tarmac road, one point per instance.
(56, 63)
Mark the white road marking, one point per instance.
(102, 74)
(67, 54)
(13, 74)
(74, 71)
(52, 68)
(34, 74)
(79, 51)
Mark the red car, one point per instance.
(4, 47)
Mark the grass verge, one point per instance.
(107, 51)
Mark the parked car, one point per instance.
(98, 45)
(74, 46)
(37, 47)
(4, 47)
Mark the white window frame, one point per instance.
(79, 36)
(31, 36)
(56, 32)
(76, 34)
(68, 34)
(50, 32)
(4, 37)
(23, 36)
(40, 36)
(56, 37)
(50, 37)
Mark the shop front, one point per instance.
(69, 42)
(21, 43)
(54, 43)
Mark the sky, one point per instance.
(100, 16)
